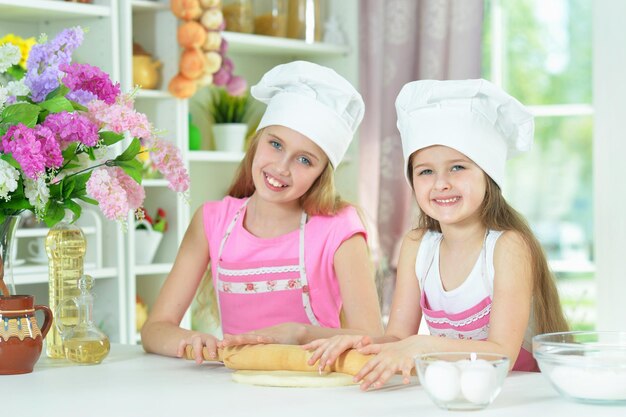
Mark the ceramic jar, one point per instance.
(145, 71)
(21, 339)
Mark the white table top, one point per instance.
(132, 383)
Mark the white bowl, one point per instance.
(584, 366)
(462, 380)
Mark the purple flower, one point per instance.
(43, 74)
(237, 86)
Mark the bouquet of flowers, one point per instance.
(61, 129)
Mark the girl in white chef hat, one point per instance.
(287, 254)
(472, 268)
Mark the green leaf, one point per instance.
(17, 73)
(74, 207)
(10, 160)
(54, 213)
(88, 200)
(24, 113)
(60, 91)
(78, 106)
(91, 153)
(69, 153)
(130, 152)
(133, 168)
(57, 105)
(110, 138)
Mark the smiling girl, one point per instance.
(287, 254)
(472, 268)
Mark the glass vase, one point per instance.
(65, 246)
(8, 229)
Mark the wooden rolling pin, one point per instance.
(280, 358)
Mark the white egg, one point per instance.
(441, 379)
(478, 381)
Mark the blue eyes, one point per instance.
(454, 168)
(302, 159)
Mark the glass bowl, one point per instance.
(462, 380)
(584, 366)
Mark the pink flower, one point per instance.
(250, 287)
(237, 86)
(120, 117)
(34, 149)
(116, 192)
(72, 127)
(293, 283)
(166, 158)
(84, 77)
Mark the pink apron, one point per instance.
(254, 295)
(472, 323)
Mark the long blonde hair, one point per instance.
(497, 214)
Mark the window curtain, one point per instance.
(402, 41)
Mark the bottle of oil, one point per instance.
(83, 343)
(66, 247)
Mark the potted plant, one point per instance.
(148, 234)
(230, 116)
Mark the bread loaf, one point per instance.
(281, 358)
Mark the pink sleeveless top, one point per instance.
(289, 278)
(464, 312)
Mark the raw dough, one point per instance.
(292, 379)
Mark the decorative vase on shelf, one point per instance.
(230, 137)
(8, 229)
(66, 247)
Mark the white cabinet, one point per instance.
(105, 241)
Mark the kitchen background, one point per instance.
(542, 52)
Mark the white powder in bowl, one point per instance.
(590, 383)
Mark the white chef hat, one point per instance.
(312, 100)
(474, 117)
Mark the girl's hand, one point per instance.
(328, 350)
(198, 342)
(285, 333)
(391, 358)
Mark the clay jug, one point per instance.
(21, 339)
(145, 71)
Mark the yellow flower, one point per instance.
(25, 46)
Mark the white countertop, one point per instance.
(132, 383)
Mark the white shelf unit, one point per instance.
(105, 256)
(152, 25)
(253, 55)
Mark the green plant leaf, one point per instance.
(88, 200)
(10, 160)
(69, 153)
(24, 113)
(74, 207)
(60, 91)
(54, 213)
(78, 106)
(17, 73)
(110, 138)
(57, 104)
(133, 168)
(130, 152)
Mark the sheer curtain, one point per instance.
(402, 41)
